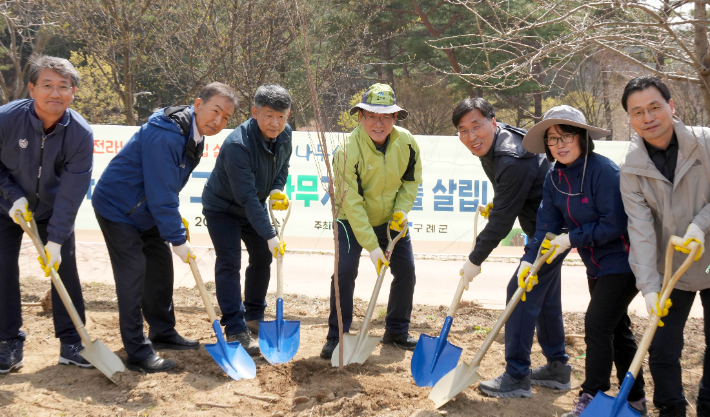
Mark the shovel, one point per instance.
(434, 357)
(604, 405)
(231, 357)
(358, 347)
(95, 352)
(466, 374)
(279, 339)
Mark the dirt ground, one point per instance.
(306, 386)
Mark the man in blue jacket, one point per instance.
(517, 177)
(136, 205)
(46, 155)
(252, 166)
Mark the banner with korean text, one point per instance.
(441, 220)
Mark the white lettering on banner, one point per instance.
(453, 185)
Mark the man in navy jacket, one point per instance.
(136, 204)
(252, 166)
(46, 155)
(517, 177)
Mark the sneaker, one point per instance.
(245, 339)
(640, 406)
(403, 341)
(579, 405)
(11, 355)
(69, 355)
(555, 375)
(329, 348)
(253, 326)
(505, 386)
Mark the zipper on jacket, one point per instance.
(39, 174)
(626, 245)
(137, 205)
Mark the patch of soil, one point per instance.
(307, 386)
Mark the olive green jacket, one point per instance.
(372, 185)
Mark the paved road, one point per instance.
(309, 274)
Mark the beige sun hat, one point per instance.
(534, 140)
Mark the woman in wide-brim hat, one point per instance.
(581, 192)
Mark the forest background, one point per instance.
(524, 56)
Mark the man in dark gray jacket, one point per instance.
(46, 156)
(517, 177)
(252, 166)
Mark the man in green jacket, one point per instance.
(377, 174)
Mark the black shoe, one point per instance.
(329, 348)
(674, 410)
(244, 338)
(69, 355)
(152, 364)
(11, 355)
(402, 341)
(703, 408)
(174, 342)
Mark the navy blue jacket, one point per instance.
(596, 220)
(517, 177)
(52, 171)
(244, 174)
(140, 186)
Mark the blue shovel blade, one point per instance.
(279, 339)
(434, 357)
(231, 357)
(603, 406)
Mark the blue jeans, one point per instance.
(399, 306)
(10, 300)
(542, 310)
(667, 347)
(227, 231)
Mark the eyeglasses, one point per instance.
(654, 110)
(373, 117)
(49, 88)
(473, 130)
(566, 138)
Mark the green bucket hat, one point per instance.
(380, 98)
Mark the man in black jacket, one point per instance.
(517, 177)
(252, 166)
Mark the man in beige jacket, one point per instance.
(665, 186)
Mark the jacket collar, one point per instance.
(638, 162)
(255, 133)
(38, 125)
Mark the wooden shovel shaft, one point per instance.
(509, 308)
(669, 281)
(206, 299)
(33, 233)
(279, 257)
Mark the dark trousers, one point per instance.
(608, 334)
(542, 310)
(10, 299)
(667, 347)
(143, 270)
(399, 306)
(227, 231)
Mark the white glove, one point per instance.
(53, 252)
(469, 272)
(694, 233)
(278, 200)
(652, 306)
(23, 205)
(276, 245)
(559, 245)
(183, 251)
(523, 272)
(378, 259)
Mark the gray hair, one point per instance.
(59, 65)
(218, 89)
(273, 96)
